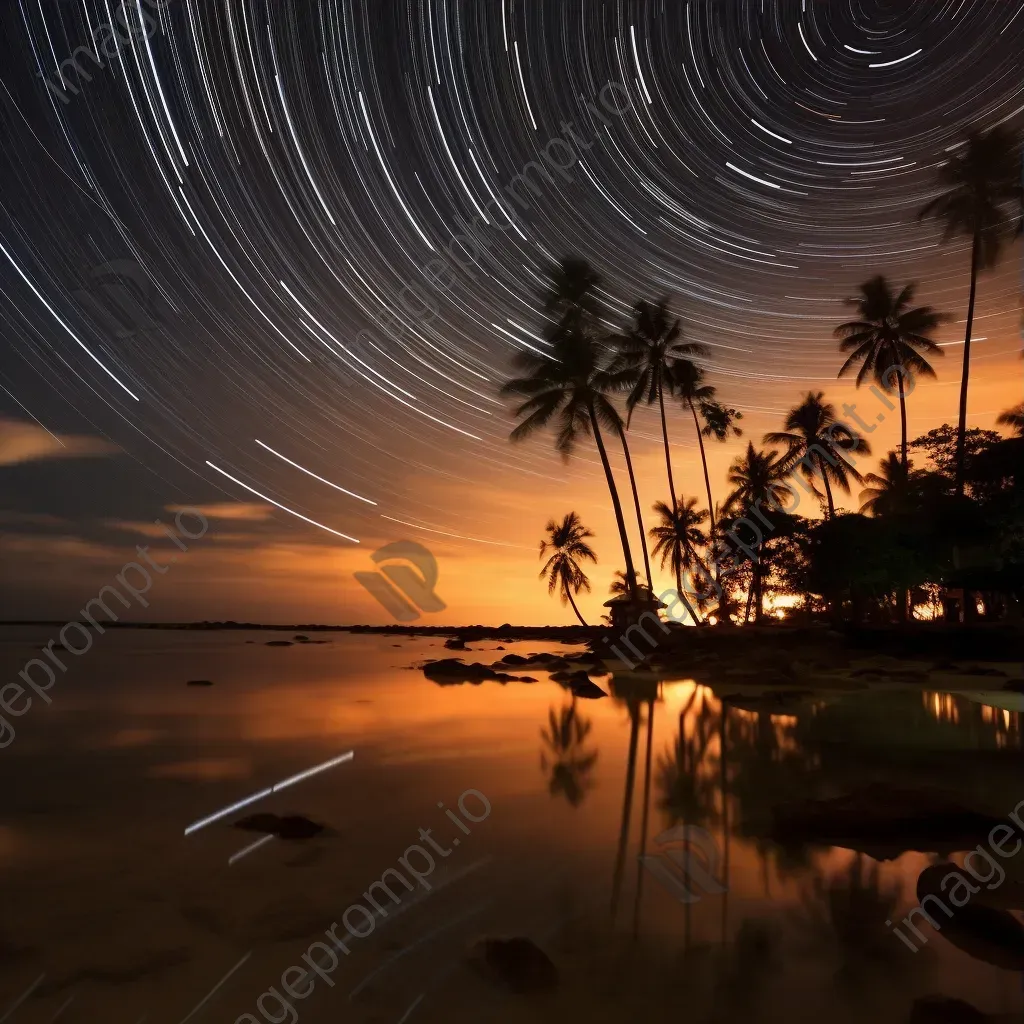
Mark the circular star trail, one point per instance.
(311, 221)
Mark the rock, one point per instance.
(291, 826)
(454, 670)
(579, 684)
(301, 638)
(279, 643)
(455, 643)
(499, 648)
(517, 964)
(880, 815)
(943, 1010)
(200, 682)
(513, 659)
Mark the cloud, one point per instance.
(26, 442)
(237, 510)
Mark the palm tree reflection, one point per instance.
(570, 765)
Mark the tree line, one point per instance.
(955, 523)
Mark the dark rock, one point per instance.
(290, 826)
(579, 685)
(943, 1010)
(513, 659)
(455, 643)
(301, 638)
(454, 670)
(279, 643)
(499, 648)
(516, 964)
(200, 682)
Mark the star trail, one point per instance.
(325, 200)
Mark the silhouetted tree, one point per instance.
(818, 443)
(978, 183)
(889, 333)
(567, 541)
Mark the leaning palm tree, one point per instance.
(888, 335)
(981, 199)
(1014, 419)
(567, 542)
(569, 387)
(647, 354)
(757, 477)
(677, 536)
(819, 443)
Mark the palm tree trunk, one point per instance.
(903, 420)
(627, 806)
(682, 597)
(568, 594)
(961, 432)
(758, 586)
(616, 504)
(639, 513)
(828, 489)
(643, 822)
(664, 434)
(711, 503)
(750, 601)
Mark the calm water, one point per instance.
(115, 909)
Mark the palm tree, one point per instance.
(646, 358)
(678, 535)
(887, 490)
(571, 383)
(688, 382)
(567, 541)
(812, 433)
(978, 183)
(757, 477)
(1014, 419)
(889, 333)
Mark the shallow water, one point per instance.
(116, 914)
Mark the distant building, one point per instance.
(625, 611)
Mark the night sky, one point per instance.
(235, 255)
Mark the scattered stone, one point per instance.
(200, 682)
(290, 826)
(455, 643)
(516, 964)
(454, 670)
(279, 643)
(513, 659)
(499, 648)
(301, 638)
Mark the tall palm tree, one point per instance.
(757, 476)
(567, 540)
(889, 332)
(1014, 419)
(818, 443)
(678, 535)
(978, 182)
(647, 354)
(571, 384)
(688, 380)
